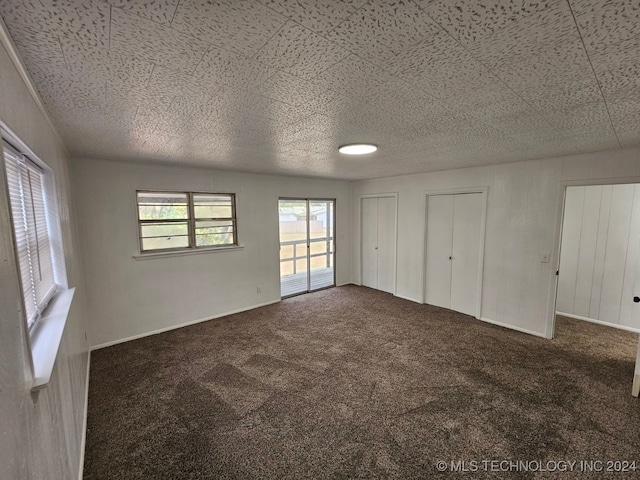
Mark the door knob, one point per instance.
(636, 299)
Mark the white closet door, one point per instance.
(616, 253)
(370, 242)
(439, 243)
(386, 244)
(587, 250)
(636, 310)
(467, 214)
(573, 212)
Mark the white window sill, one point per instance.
(45, 340)
(179, 253)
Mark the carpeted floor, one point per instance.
(355, 383)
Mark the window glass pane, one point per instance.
(156, 236)
(162, 206)
(214, 233)
(213, 206)
(165, 242)
(164, 229)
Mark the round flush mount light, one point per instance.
(357, 149)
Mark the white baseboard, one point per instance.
(512, 327)
(345, 283)
(635, 390)
(185, 324)
(409, 298)
(83, 440)
(599, 322)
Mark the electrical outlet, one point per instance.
(259, 290)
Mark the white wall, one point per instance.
(523, 221)
(598, 258)
(40, 434)
(129, 297)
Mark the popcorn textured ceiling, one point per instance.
(277, 85)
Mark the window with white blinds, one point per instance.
(25, 180)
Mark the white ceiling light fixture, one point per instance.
(357, 148)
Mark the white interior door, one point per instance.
(439, 245)
(453, 256)
(636, 311)
(370, 242)
(386, 244)
(467, 214)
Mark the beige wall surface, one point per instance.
(129, 297)
(523, 222)
(40, 434)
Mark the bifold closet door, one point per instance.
(453, 251)
(386, 243)
(370, 242)
(467, 215)
(439, 245)
(379, 243)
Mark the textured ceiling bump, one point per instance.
(606, 22)
(85, 21)
(300, 52)
(160, 11)
(381, 29)
(141, 38)
(241, 26)
(320, 16)
(471, 21)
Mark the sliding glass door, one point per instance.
(321, 244)
(307, 245)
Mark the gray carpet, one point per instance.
(355, 383)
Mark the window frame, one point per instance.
(34, 165)
(191, 224)
(44, 337)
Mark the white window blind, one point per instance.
(28, 209)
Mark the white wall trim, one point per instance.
(83, 440)
(379, 195)
(555, 254)
(455, 191)
(7, 42)
(409, 299)
(599, 322)
(513, 327)
(344, 283)
(180, 325)
(186, 251)
(483, 227)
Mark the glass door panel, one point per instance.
(294, 254)
(321, 244)
(307, 245)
